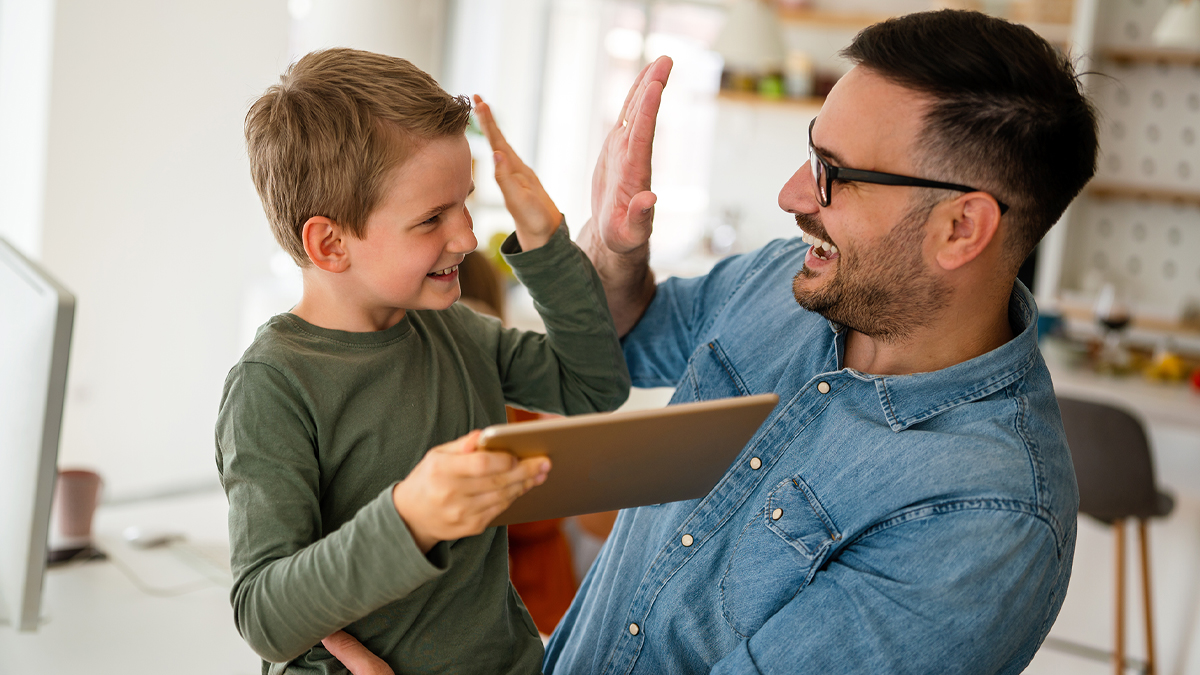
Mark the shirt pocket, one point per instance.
(710, 375)
(776, 555)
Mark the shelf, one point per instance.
(750, 98)
(1150, 55)
(828, 19)
(1109, 191)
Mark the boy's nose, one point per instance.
(464, 240)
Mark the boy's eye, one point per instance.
(432, 220)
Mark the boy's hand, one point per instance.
(358, 659)
(534, 212)
(457, 489)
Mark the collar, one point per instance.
(911, 399)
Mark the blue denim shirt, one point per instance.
(918, 523)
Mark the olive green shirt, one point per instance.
(317, 425)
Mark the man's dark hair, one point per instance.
(1008, 115)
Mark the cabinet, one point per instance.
(1138, 223)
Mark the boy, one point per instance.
(338, 515)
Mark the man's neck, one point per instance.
(957, 334)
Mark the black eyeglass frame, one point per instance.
(832, 173)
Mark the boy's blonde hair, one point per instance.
(323, 139)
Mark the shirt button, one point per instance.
(755, 463)
(776, 514)
(633, 629)
(823, 387)
(687, 540)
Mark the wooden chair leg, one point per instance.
(1119, 619)
(1145, 551)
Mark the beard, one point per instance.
(885, 292)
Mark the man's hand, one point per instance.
(617, 238)
(535, 214)
(357, 658)
(457, 489)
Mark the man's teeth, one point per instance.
(442, 273)
(817, 243)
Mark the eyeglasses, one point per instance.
(825, 173)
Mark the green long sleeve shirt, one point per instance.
(317, 425)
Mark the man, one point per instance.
(910, 505)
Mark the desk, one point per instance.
(96, 619)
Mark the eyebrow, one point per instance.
(442, 207)
(828, 154)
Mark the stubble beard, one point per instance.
(885, 293)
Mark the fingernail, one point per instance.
(646, 210)
(497, 157)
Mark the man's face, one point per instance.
(419, 233)
(873, 275)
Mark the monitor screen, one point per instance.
(36, 316)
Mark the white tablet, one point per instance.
(609, 461)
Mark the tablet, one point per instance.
(608, 461)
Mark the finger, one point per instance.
(491, 130)
(462, 445)
(358, 659)
(532, 473)
(633, 89)
(658, 71)
(641, 137)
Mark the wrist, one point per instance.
(401, 502)
(531, 238)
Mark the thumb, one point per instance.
(462, 445)
(358, 659)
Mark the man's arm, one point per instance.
(617, 237)
(963, 591)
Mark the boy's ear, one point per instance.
(323, 242)
(966, 230)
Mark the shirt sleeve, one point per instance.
(658, 347)
(967, 591)
(577, 365)
(293, 583)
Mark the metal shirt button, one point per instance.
(687, 540)
(633, 629)
(776, 514)
(823, 387)
(755, 463)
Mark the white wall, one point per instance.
(26, 39)
(152, 220)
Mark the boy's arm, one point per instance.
(577, 366)
(293, 584)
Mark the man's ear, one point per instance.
(323, 242)
(969, 226)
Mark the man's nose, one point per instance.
(799, 193)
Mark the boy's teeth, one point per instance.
(448, 270)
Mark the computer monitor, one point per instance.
(36, 316)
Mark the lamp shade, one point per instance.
(750, 41)
(1179, 26)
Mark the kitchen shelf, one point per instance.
(828, 19)
(1110, 191)
(1147, 55)
(751, 98)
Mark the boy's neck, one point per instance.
(327, 307)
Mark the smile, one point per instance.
(445, 272)
(820, 248)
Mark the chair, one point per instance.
(1116, 482)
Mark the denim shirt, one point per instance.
(916, 523)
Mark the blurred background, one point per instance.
(125, 175)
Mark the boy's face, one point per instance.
(419, 233)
